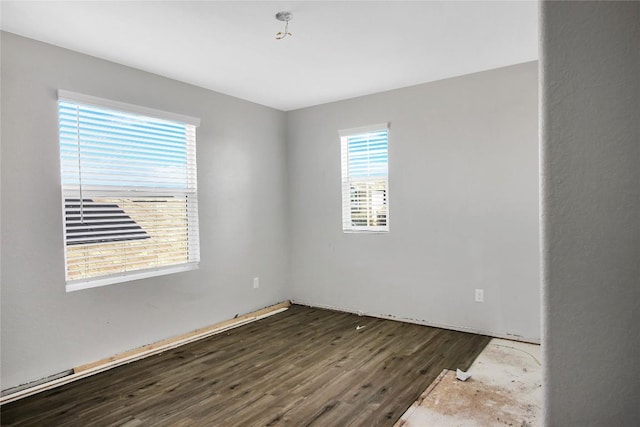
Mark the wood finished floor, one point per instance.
(301, 367)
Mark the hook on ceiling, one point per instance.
(285, 17)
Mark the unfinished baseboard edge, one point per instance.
(102, 365)
(506, 336)
(407, 414)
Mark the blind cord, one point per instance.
(79, 163)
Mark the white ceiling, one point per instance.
(339, 49)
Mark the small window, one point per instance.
(129, 191)
(365, 179)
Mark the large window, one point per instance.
(129, 191)
(365, 179)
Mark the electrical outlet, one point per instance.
(256, 282)
(479, 295)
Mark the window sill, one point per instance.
(78, 285)
(366, 231)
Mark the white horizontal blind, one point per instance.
(129, 194)
(365, 179)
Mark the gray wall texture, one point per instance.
(463, 177)
(242, 204)
(590, 177)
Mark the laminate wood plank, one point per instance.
(304, 366)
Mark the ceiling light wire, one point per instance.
(285, 17)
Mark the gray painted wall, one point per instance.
(463, 205)
(242, 205)
(590, 69)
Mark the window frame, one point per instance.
(191, 213)
(346, 181)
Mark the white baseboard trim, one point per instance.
(505, 335)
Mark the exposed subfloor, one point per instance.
(505, 388)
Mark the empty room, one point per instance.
(329, 213)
